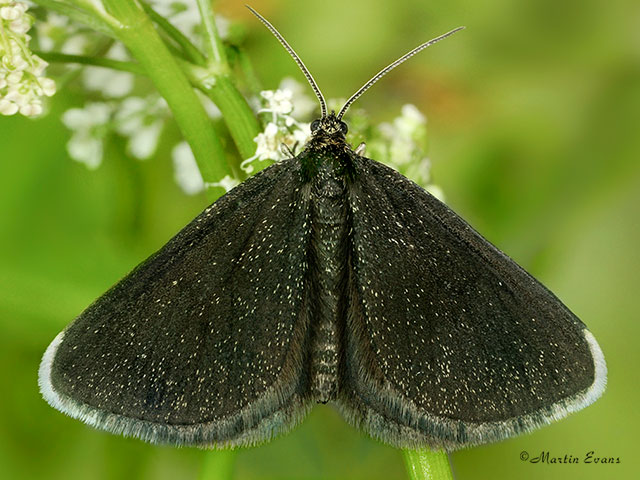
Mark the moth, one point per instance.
(325, 278)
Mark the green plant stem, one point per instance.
(213, 43)
(218, 465)
(55, 57)
(176, 35)
(237, 113)
(217, 84)
(253, 83)
(427, 465)
(144, 43)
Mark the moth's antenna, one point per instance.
(307, 74)
(390, 67)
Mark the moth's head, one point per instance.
(329, 125)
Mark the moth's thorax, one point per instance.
(325, 161)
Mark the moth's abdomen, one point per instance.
(329, 247)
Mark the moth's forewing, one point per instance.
(202, 343)
(449, 342)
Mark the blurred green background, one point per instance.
(534, 116)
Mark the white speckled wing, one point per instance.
(449, 342)
(202, 343)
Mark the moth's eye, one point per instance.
(344, 128)
(315, 125)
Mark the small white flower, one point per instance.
(228, 183)
(278, 101)
(405, 137)
(303, 104)
(270, 141)
(130, 114)
(93, 114)
(14, 77)
(402, 145)
(48, 86)
(401, 150)
(301, 135)
(110, 83)
(31, 109)
(141, 120)
(20, 26)
(143, 144)
(185, 169)
(411, 122)
(411, 112)
(88, 125)
(75, 45)
(223, 25)
(419, 171)
(436, 191)
(283, 129)
(86, 149)
(267, 142)
(7, 107)
(9, 13)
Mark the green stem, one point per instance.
(253, 83)
(144, 43)
(213, 43)
(237, 113)
(427, 465)
(218, 465)
(123, 66)
(220, 88)
(176, 35)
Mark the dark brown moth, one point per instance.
(327, 277)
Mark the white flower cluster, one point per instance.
(58, 33)
(90, 127)
(22, 83)
(282, 133)
(138, 119)
(402, 145)
(110, 83)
